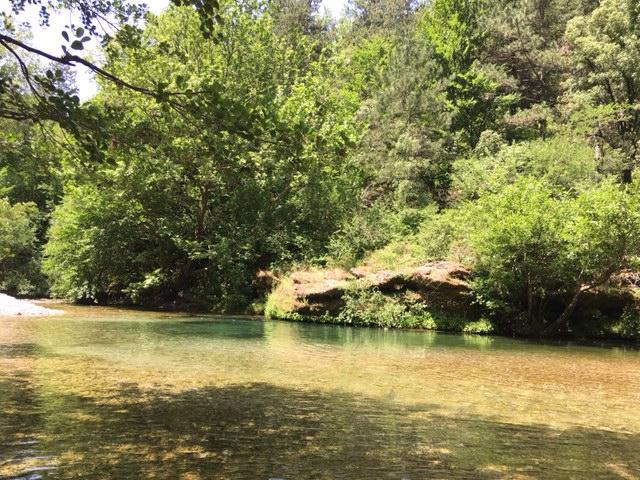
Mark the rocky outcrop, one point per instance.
(316, 292)
(432, 276)
(440, 286)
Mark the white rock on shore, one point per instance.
(13, 306)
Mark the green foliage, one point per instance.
(531, 245)
(371, 229)
(19, 253)
(370, 307)
(243, 136)
(86, 229)
(562, 162)
(452, 28)
(203, 205)
(605, 49)
(477, 94)
(628, 326)
(373, 16)
(30, 165)
(526, 37)
(435, 239)
(480, 327)
(406, 152)
(516, 247)
(280, 301)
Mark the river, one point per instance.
(108, 393)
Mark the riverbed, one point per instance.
(108, 393)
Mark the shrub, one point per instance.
(517, 249)
(482, 326)
(562, 162)
(19, 255)
(435, 239)
(370, 307)
(531, 245)
(372, 229)
(281, 300)
(628, 326)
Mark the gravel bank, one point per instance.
(13, 306)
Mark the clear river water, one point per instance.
(106, 393)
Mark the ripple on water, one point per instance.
(132, 395)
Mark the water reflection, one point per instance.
(175, 397)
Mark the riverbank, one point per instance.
(10, 306)
(440, 296)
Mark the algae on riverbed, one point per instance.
(116, 393)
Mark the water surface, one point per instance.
(105, 393)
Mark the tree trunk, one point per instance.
(201, 212)
(529, 300)
(563, 319)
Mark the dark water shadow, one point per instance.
(227, 328)
(262, 431)
(18, 350)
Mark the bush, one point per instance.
(628, 326)
(372, 229)
(370, 307)
(531, 245)
(19, 255)
(281, 300)
(562, 162)
(482, 326)
(86, 229)
(435, 239)
(116, 244)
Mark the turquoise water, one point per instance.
(105, 393)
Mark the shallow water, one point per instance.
(105, 393)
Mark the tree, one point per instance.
(477, 93)
(18, 249)
(527, 38)
(407, 150)
(531, 246)
(375, 16)
(605, 49)
(565, 162)
(194, 205)
(36, 87)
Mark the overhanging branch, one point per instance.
(73, 60)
